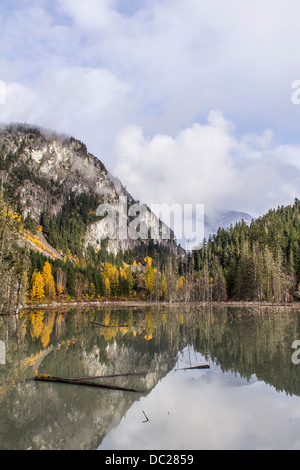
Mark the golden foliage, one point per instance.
(148, 261)
(150, 280)
(48, 280)
(111, 278)
(38, 286)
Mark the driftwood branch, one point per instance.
(49, 378)
(147, 419)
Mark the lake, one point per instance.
(248, 398)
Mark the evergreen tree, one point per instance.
(14, 261)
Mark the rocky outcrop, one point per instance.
(40, 170)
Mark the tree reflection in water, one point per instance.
(244, 344)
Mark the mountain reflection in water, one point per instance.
(249, 398)
(209, 410)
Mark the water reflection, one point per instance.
(248, 399)
(209, 410)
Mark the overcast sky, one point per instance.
(186, 101)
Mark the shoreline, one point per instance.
(149, 303)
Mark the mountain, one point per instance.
(207, 225)
(260, 260)
(70, 230)
(52, 180)
(49, 176)
(225, 219)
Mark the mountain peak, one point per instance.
(224, 219)
(42, 171)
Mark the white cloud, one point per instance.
(177, 59)
(90, 13)
(207, 164)
(22, 99)
(106, 76)
(208, 411)
(182, 59)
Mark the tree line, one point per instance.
(256, 262)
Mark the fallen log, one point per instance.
(50, 378)
(206, 366)
(113, 376)
(136, 374)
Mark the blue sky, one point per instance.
(184, 100)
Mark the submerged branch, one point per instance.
(49, 378)
(85, 381)
(147, 419)
(136, 374)
(206, 366)
(128, 374)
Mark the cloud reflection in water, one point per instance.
(209, 409)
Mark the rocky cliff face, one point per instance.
(41, 170)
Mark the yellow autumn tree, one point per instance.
(38, 286)
(180, 284)
(111, 278)
(150, 280)
(48, 280)
(148, 261)
(107, 285)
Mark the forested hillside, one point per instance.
(259, 262)
(54, 182)
(14, 261)
(256, 262)
(49, 247)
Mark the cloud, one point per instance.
(208, 164)
(91, 13)
(177, 60)
(185, 58)
(171, 168)
(142, 77)
(231, 414)
(81, 101)
(23, 100)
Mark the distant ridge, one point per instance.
(224, 220)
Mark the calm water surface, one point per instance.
(248, 399)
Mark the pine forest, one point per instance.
(256, 262)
